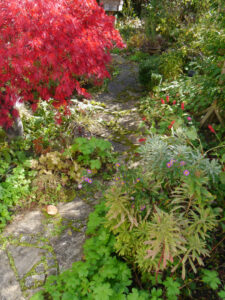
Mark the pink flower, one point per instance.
(169, 164)
(182, 105)
(142, 207)
(174, 102)
(182, 163)
(144, 118)
(162, 101)
(189, 118)
(167, 98)
(186, 172)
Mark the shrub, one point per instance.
(162, 220)
(47, 47)
(148, 72)
(171, 64)
(93, 153)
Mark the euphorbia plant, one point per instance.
(47, 46)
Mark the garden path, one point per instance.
(36, 245)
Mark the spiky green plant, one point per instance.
(120, 209)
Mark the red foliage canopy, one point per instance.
(46, 46)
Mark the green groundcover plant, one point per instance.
(15, 179)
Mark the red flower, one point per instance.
(182, 105)
(144, 118)
(211, 129)
(171, 124)
(174, 102)
(162, 101)
(167, 98)
(142, 140)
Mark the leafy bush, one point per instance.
(166, 16)
(148, 72)
(93, 152)
(171, 226)
(171, 64)
(15, 180)
(55, 172)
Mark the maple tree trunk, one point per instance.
(17, 129)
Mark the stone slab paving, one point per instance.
(36, 245)
(121, 112)
(10, 288)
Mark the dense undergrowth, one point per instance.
(158, 232)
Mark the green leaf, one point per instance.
(69, 296)
(192, 133)
(103, 291)
(223, 158)
(222, 177)
(156, 293)
(136, 295)
(222, 294)
(21, 156)
(7, 156)
(172, 288)
(37, 296)
(211, 278)
(95, 164)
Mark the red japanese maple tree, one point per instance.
(46, 46)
